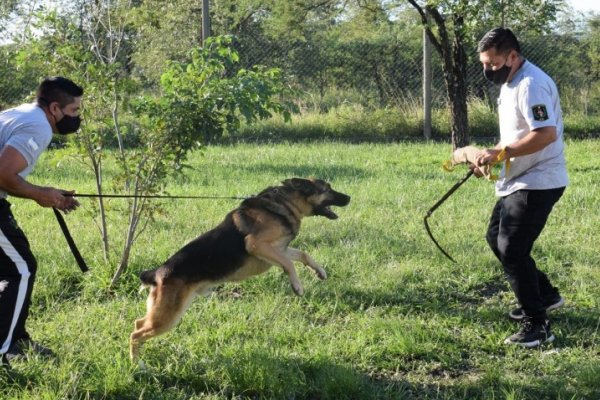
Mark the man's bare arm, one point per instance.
(11, 163)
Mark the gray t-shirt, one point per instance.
(26, 129)
(530, 101)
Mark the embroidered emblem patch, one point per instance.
(32, 144)
(539, 112)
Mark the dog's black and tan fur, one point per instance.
(251, 239)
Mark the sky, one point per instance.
(586, 5)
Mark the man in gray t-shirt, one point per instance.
(25, 132)
(532, 181)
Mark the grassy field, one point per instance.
(395, 319)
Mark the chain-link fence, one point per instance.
(389, 73)
(331, 68)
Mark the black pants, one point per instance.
(17, 273)
(516, 222)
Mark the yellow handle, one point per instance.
(447, 166)
(502, 156)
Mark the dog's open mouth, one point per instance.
(325, 211)
(324, 208)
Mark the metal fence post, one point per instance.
(205, 21)
(426, 85)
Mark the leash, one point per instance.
(154, 196)
(439, 203)
(63, 225)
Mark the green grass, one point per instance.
(395, 319)
(359, 124)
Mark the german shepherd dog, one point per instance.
(251, 239)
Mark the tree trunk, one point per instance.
(460, 121)
(97, 165)
(133, 223)
(115, 116)
(454, 62)
(456, 88)
(458, 106)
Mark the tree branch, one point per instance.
(425, 22)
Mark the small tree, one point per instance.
(200, 99)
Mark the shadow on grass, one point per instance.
(262, 375)
(327, 172)
(429, 171)
(295, 136)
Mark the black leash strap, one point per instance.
(63, 225)
(439, 203)
(152, 196)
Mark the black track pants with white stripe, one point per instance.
(17, 273)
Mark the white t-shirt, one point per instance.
(530, 101)
(26, 129)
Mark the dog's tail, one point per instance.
(148, 277)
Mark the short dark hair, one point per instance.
(502, 39)
(58, 89)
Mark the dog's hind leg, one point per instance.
(268, 253)
(139, 323)
(166, 305)
(304, 258)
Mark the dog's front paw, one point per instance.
(321, 273)
(298, 289)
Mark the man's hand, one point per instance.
(477, 172)
(52, 197)
(487, 157)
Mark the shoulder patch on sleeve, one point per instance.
(32, 144)
(540, 113)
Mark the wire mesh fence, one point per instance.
(330, 68)
(391, 74)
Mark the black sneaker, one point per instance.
(517, 314)
(6, 372)
(20, 348)
(4, 365)
(531, 334)
(9, 376)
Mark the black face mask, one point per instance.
(499, 76)
(68, 124)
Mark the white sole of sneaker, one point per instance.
(535, 343)
(554, 306)
(551, 307)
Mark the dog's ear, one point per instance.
(304, 186)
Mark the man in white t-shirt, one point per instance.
(532, 181)
(25, 132)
